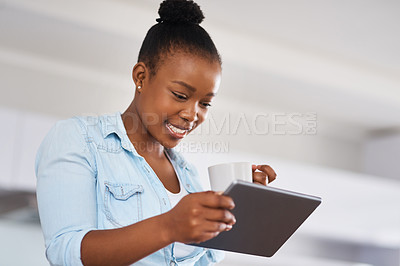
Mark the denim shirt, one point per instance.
(90, 177)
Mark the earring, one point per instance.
(139, 88)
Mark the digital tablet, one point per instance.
(265, 218)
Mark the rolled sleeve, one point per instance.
(66, 191)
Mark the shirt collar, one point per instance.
(113, 124)
(176, 157)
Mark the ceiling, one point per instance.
(339, 59)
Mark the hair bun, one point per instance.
(180, 12)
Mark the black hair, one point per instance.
(177, 30)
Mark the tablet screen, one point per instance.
(266, 217)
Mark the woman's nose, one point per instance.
(189, 114)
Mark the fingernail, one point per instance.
(228, 227)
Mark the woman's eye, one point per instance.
(206, 105)
(179, 96)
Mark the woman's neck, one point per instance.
(144, 143)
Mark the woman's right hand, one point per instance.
(199, 217)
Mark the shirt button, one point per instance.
(172, 263)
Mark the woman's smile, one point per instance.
(178, 132)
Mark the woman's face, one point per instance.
(177, 98)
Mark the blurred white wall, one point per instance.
(382, 154)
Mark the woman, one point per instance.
(110, 189)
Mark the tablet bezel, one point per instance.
(264, 233)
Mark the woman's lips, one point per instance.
(176, 131)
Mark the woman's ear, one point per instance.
(139, 74)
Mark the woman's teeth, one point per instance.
(176, 130)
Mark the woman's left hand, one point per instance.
(265, 173)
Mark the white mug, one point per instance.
(222, 175)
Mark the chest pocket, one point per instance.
(123, 203)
